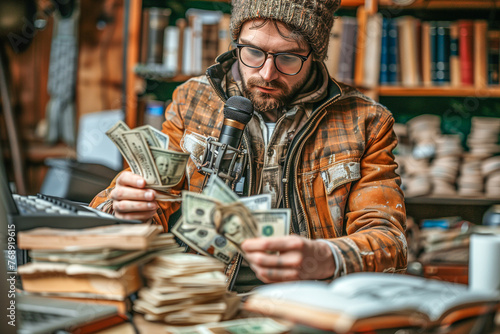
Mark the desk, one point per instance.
(146, 327)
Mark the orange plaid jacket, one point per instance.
(338, 178)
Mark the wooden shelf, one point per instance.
(455, 200)
(443, 4)
(439, 91)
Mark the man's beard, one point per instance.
(263, 102)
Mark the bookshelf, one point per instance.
(493, 92)
(404, 101)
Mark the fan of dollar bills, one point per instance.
(146, 151)
(216, 222)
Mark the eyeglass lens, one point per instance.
(285, 63)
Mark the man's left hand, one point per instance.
(289, 258)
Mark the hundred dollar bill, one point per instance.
(147, 132)
(257, 202)
(273, 223)
(196, 228)
(140, 151)
(171, 165)
(161, 137)
(216, 188)
(235, 222)
(115, 134)
(205, 240)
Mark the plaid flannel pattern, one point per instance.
(345, 186)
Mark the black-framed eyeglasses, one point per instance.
(285, 62)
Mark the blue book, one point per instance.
(393, 52)
(384, 54)
(433, 43)
(442, 75)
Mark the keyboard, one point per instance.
(50, 211)
(42, 315)
(45, 204)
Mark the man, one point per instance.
(329, 157)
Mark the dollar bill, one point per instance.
(239, 326)
(171, 165)
(161, 137)
(141, 153)
(273, 223)
(235, 222)
(115, 134)
(257, 202)
(147, 132)
(197, 229)
(216, 188)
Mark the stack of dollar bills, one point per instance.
(146, 151)
(216, 222)
(185, 289)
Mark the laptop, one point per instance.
(28, 212)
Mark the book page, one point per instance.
(364, 295)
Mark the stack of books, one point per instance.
(184, 289)
(97, 264)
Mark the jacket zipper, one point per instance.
(303, 139)
(235, 271)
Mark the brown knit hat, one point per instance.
(313, 19)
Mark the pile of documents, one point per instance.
(445, 240)
(185, 289)
(96, 263)
(216, 222)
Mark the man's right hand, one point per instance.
(131, 200)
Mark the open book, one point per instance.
(372, 301)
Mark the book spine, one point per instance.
(465, 54)
(433, 49)
(359, 64)
(170, 52)
(408, 50)
(384, 54)
(393, 64)
(480, 53)
(210, 40)
(443, 53)
(181, 25)
(373, 50)
(493, 57)
(334, 48)
(426, 54)
(346, 65)
(454, 57)
(224, 34)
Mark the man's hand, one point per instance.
(131, 200)
(298, 258)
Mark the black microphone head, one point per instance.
(238, 108)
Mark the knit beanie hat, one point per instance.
(313, 19)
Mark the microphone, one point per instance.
(238, 111)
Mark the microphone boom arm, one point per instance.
(213, 156)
